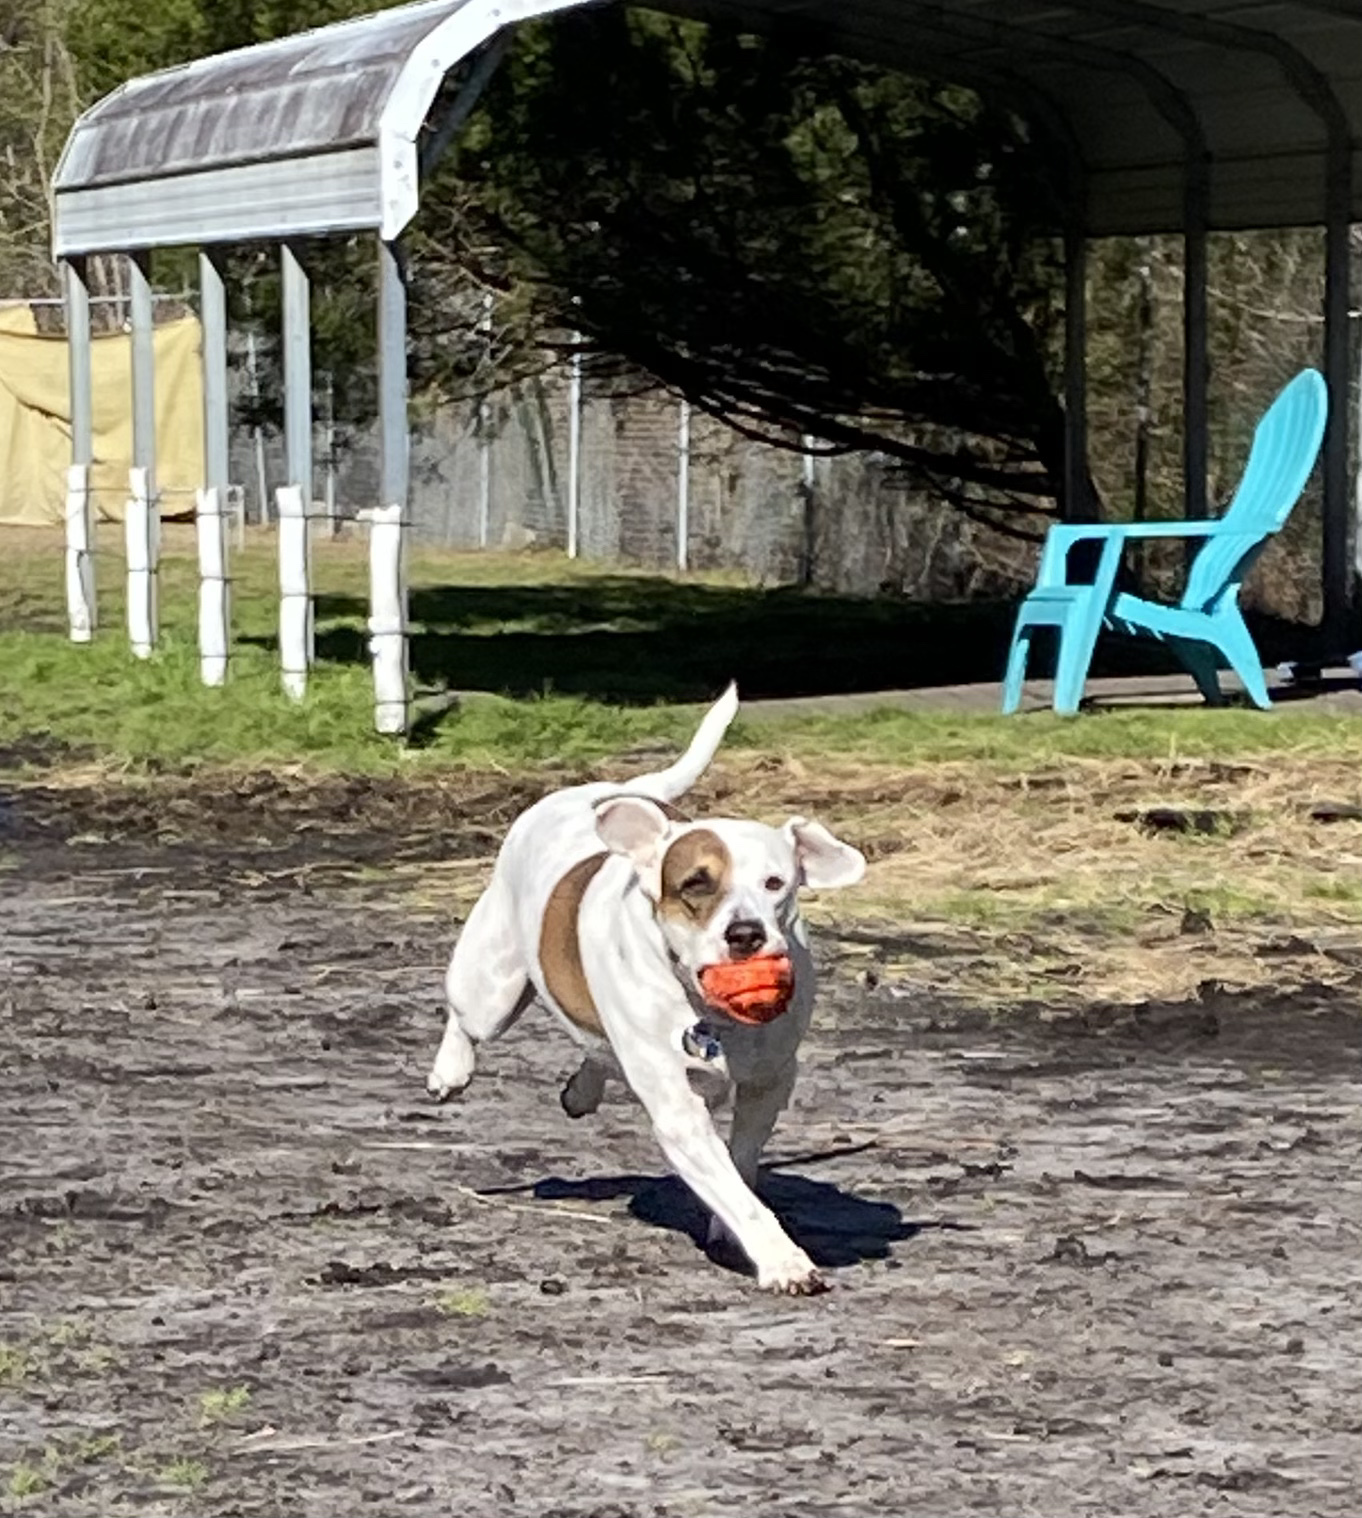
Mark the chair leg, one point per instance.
(1236, 643)
(1199, 660)
(1077, 639)
(1016, 668)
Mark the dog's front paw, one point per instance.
(453, 1067)
(796, 1276)
(438, 1087)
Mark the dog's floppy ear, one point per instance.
(634, 827)
(824, 861)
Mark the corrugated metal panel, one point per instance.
(330, 192)
(1087, 61)
(307, 134)
(1245, 193)
(299, 95)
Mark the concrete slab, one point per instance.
(1337, 691)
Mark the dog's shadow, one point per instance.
(835, 1227)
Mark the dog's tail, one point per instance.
(678, 778)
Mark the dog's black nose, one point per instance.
(744, 937)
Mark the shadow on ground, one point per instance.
(639, 640)
(633, 640)
(834, 1226)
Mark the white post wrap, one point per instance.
(295, 591)
(213, 591)
(142, 542)
(80, 557)
(388, 617)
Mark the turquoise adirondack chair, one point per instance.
(1206, 628)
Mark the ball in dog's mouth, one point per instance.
(755, 990)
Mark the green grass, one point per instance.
(1040, 738)
(997, 912)
(463, 1302)
(27, 1480)
(97, 1447)
(16, 1364)
(222, 1402)
(561, 662)
(187, 1474)
(1346, 892)
(66, 1332)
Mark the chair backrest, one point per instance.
(1286, 443)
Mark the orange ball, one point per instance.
(753, 990)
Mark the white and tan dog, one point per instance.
(607, 906)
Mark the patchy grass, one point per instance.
(1015, 839)
(220, 1403)
(66, 1346)
(995, 882)
(59, 1460)
(97, 1447)
(67, 1333)
(463, 1302)
(1165, 736)
(184, 1473)
(96, 702)
(16, 1364)
(26, 1480)
(555, 661)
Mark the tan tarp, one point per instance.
(35, 420)
(17, 319)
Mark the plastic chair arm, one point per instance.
(1060, 539)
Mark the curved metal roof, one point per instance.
(1251, 91)
(317, 132)
(309, 134)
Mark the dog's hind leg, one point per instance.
(585, 1088)
(487, 987)
(755, 1110)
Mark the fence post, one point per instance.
(211, 526)
(80, 566)
(574, 504)
(809, 481)
(329, 448)
(236, 505)
(388, 617)
(295, 591)
(141, 537)
(484, 426)
(683, 486)
(484, 473)
(80, 559)
(262, 487)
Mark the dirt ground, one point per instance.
(1091, 1258)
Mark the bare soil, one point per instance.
(1088, 1260)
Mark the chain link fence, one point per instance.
(650, 484)
(657, 485)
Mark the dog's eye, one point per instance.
(774, 884)
(697, 884)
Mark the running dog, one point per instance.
(673, 953)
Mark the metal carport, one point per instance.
(1180, 116)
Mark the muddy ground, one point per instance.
(1096, 1261)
